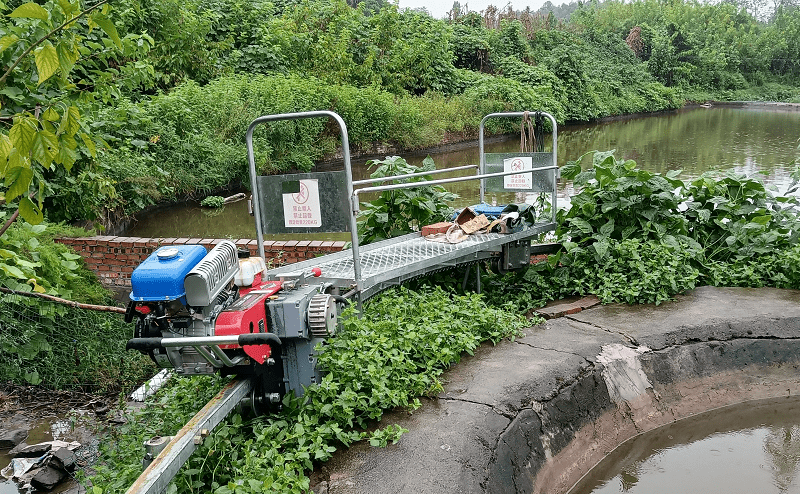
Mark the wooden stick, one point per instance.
(234, 198)
(71, 303)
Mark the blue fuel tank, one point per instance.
(160, 276)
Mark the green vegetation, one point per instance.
(149, 101)
(51, 344)
(108, 111)
(630, 236)
(33, 258)
(213, 202)
(43, 100)
(383, 361)
(43, 131)
(397, 212)
(639, 237)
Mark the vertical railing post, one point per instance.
(349, 179)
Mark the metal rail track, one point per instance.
(157, 476)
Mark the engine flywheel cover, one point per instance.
(323, 316)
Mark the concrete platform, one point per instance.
(535, 414)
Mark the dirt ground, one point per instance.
(48, 415)
(22, 406)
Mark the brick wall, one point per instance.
(114, 258)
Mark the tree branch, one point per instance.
(71, 303)
(9, 222)
(14, 216)
(48, 36)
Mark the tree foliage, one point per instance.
(58, 60)
(137, 79)
(42, 124)
(44, 50)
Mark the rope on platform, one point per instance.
(527, 137)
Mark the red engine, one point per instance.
(248, 315)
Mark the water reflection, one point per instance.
(782, 446)
(745, 140)
(717, 451)
(751, 141)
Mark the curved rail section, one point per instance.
(160, 472)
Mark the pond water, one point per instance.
(754, 140)
(743, 449)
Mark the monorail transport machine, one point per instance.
(201, 312)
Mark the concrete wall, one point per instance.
(115, 258)
(533, 415)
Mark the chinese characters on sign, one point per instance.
(301, 209)
(521, 181)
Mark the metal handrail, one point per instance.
(353, 194)
(481, 171)
(381, 188)
(412, 175)
(347, 166)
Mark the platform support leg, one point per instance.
(477, 278)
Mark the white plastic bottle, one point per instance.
(248, 269)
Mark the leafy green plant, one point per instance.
(213, 202)
(40, 342)
(379, 362)
(41, 46)
(617, 201)
(401, 211)
(35, 262)
(736, 218)
(631, 271)
(638, 237)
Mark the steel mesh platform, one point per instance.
(393, 261)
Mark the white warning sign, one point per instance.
(521, 181)
(301, 209)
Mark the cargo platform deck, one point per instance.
(391, 262)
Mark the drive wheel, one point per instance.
(496, 265)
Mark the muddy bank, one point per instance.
(70, 421)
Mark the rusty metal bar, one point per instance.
(157, 476)
(412, 175)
